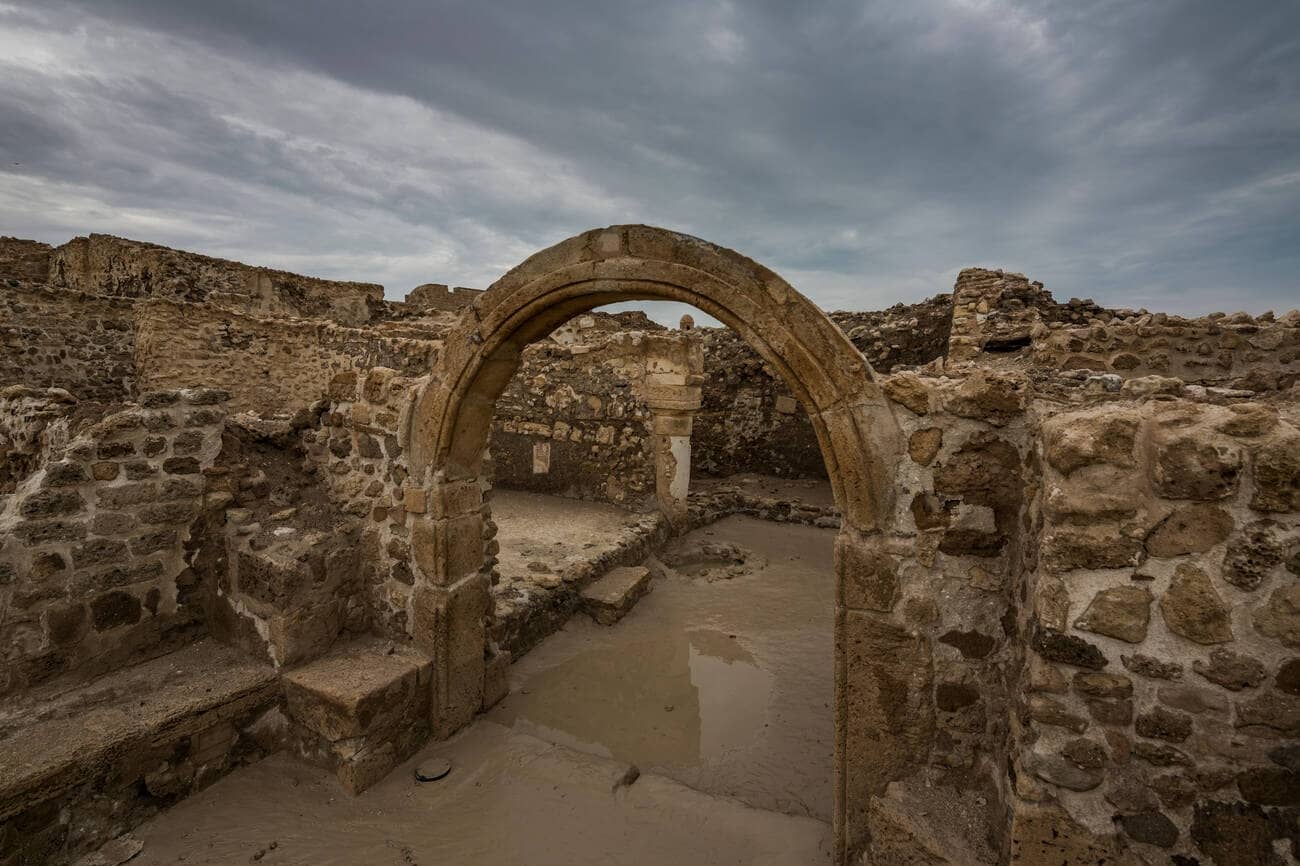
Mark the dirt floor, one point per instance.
(717, 687)
(544, 531)
(812, 491)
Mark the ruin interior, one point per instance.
(987, 579)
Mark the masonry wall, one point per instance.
(107, 265)
(933, 635)
(92, 542)
(270, 366)
(24, 260)
(573, 421)
(1160, 690)
(357, 454)
(51, 338)
(750, 422)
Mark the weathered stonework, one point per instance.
(1066, 566)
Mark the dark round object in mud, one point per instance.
(432, 770)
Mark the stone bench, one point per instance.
(80, 765)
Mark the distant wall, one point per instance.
(437, 296)
(750, 422)
(28, 261)
(107, 265)
(574, 419)
(268, 366)
(50, 338)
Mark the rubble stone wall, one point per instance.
(24, 260)
(107, 265)
(998, 313)
(50, 338)
(356, 450)
(574, 421)
(1160, 694)
(749, 422)
(269, 366)
(92, 543)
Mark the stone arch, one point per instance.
(447, 429)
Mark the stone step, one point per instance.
(611, 597)
(361, 709)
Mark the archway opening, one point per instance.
(689, 636)
(450, 424)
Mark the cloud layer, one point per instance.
(1143, 154)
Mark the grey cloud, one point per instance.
(1141, 154)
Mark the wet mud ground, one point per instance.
(716, 688)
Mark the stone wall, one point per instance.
(269, 366)
(107, 265)
(23, 260)
(356, 451)
(749, 421)
(92, 543)
(573, 421)
(998, 313)
(1236, 351)
(1160, 689)
(52, 338)
(935, 601)
(437, 296)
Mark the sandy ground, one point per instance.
(719, 691)
(534, 527)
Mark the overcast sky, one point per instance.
(1139, 152)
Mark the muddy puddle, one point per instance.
(718, 690)
(722, 682)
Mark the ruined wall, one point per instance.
(270, 366)
(23, 260)
(437, 296)
(1236, 351)
(283, 559)
(107, 265)
(1160, 694)
(92, 542)
(749, 421)
(937, 637)
(355, 450)
(998, 313)
(59, 339)
(573, 421)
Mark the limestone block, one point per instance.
(1253, 553)
(1190, 465)
(1277, 474)
(1120, 612)
(1280, 617)
(1190, 529)
(868, 575)
(1073, 441)
(1106, 545)
(887, 710)
(1193, 608)
(358, 689)
(613, 596)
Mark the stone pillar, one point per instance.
(674, 372)
(451, 599)
(671, 444)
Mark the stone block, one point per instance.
(613, 596)
(359, 689)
